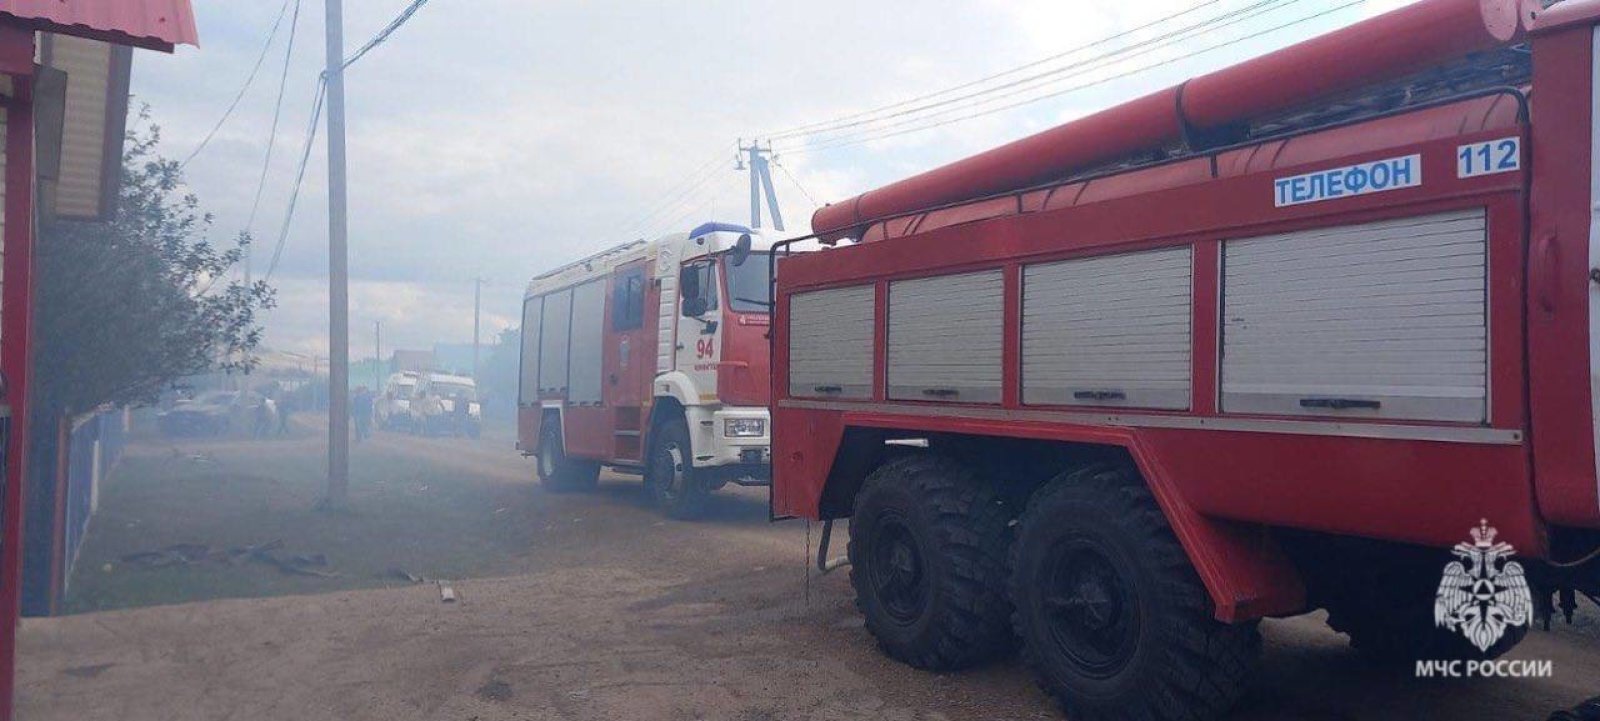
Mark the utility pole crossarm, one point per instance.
(759, 158)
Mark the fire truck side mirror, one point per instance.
(694, 306)
(740, 252)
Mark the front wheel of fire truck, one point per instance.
(927, 552)
(670, 477)
(1115, 623)
(557, 472)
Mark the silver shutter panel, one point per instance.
(588, 332)
(830, 343)
(528, 386)
(1380, 320)
(553, 346)
(1109, 330)
(945, 337)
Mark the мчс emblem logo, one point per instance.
(1485, 592)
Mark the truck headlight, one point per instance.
(744, 427)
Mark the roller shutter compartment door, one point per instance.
(555, 324)
(588, 335)
(1108, 331)
(528, 385)
(945, 338)
(1377, 320)
(830, 343)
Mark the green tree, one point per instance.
(498, 384)
(125, 309)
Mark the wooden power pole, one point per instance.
(338, 271)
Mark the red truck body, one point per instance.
(1234, 470)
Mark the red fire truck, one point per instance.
(1320, 330)
(651, 358)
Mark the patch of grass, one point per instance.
(419, 512)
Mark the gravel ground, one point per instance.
(609, 611)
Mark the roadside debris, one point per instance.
(446, 593)
(193, 457)
(188, 554)
(404, 575)
(495, 690)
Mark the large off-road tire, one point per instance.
(670, 477)
(927, 551)
(1115, 623)
(1385, 605)
(557, 472)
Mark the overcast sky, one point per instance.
(498, 138)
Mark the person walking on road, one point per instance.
(285, 405)
(264, 412)
(361, 409)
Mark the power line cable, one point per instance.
(251, 78)
(683, 181)
(1081, 68)
(277, 112)
(678, 204)
(811, 128)
(316, 116)
(857, 140)
(383, 35)
(698, 203)
(690, 204)
(683, 189)
(299, 178)
(796, 181)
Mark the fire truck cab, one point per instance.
(651, 358)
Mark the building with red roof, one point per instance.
(64, 69)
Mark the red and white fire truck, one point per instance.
(651, 358)
(1299, 333)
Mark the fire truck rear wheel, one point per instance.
(670, 477)
(557, 472)
(1115, 623)
(927, 550)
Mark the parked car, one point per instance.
(446, 404)
(215, 413)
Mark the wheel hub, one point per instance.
(670, 469)
(899, 576)
(1090, 608)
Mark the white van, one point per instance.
(444, 404)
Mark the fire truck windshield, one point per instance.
(747, 284)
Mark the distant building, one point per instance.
(411, 360)
(453, 357)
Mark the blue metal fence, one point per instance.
(94, 444)
(68, 466)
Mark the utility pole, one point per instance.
(477, 305)
(760, 180)
(338, 271)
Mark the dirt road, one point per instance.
(612, 612)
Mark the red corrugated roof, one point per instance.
(155, 24)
